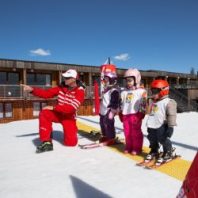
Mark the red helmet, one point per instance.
(162, 86)
(108, 68)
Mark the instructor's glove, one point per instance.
(169, 131)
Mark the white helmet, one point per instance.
(133, 72)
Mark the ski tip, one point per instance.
(148, 167)
(141, 163)
(81, 146)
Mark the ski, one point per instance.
(99, 144)
(91, 145)
(144, 162)
(149, 162)
(157, 165)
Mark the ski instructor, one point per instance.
(70, 96)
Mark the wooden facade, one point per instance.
(16, 105)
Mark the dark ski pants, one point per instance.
(107, 126)
(159, 136)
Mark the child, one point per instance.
(109, 107)
(161, 120)
(133, 104)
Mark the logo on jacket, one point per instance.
(155, 108)
(129, 97)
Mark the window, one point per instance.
(121, 82)
(1, 110)
(30, 79)
(6, 110)
(81, 77)
(9, 78)
(13, 78)
(37, 107)
(39, 79)
(43, 104)
(3, 78)
(44, 79)
(12, 91)
(97, 79)
(9, 90)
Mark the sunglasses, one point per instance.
(67, 78)
(129, 80)
(155, 90)
(106, 79)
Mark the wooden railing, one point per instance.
(10, 92)
(17, 92)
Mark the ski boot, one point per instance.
(103, 139)
(108, 141)
(166, 156)
(45, 146)
(95, 133)
(151, 156)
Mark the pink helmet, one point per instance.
(133, 72)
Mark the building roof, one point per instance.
(38, 65)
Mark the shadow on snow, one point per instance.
(84, 190)
(56, 135)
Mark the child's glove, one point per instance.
(169, 131)
(111, 115)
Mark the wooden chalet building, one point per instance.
(18, 105)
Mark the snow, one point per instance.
(72, 172)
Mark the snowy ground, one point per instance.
(72, 172)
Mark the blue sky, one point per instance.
(146, 34)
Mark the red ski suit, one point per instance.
(64, 112)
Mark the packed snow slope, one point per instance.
(76, 173)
